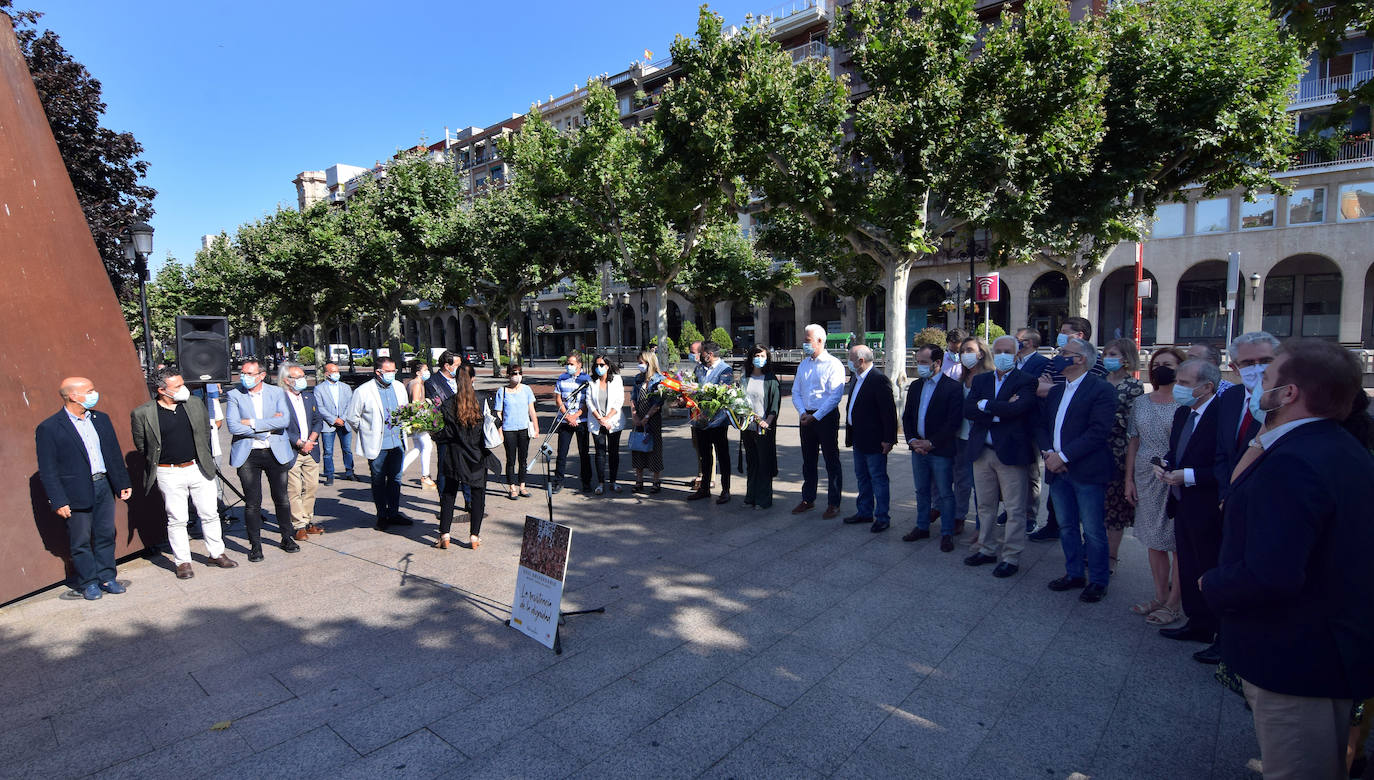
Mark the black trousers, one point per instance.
(761, 465)
(92, 535)
(565, 435)
(822, 437)
(477, 505)
(607, 447)
(250, 479)
(517, 455)
(1197, 534)
(713, 444)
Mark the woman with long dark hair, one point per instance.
(466, 459)
(761, 436)
(605, 401)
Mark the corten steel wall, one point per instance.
(58, 317)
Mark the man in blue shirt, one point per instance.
(570, 386)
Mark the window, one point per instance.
(1307, 206)
(1321, 306)
(1259, 214)
(1168, 220)
(1202, 309)
(1212, 216)
(1277, 315)
(1357, 201)
(624, 105)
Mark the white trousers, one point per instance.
(422, 447)
(177, 486)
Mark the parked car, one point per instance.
(471, 355)
(360, 352)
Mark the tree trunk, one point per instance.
(895, 277)
(514, 333)
(1079, 280)
(661, 325)
(393, 337)
(494, 335)
(860, 303)
(321, 349)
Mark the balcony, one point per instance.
(1350, 154)
(814, 50)
(794, 15)
(1317, 91)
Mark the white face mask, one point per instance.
(643, 367)
(516, 379)
(182, 395)
(298, 384)
(969, 359)
(334, 377)
(1251, 376)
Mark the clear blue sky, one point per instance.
(232, 100)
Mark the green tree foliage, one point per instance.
(306, 356)
(722, 337)
(170, 294)
(727, 268)
(989, 332)
(689, 334)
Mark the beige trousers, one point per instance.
(995, 481)
(301, 483)
(1300, 737)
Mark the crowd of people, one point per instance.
(1251, 500)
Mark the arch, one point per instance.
(741, 328)
(451, 331)
(925, 307)
(674, 320)
(875, 310)
(782, 321)
(825, 311)
(1116, 307)
(1302, 297)
(469, 338)
(1049, 304)
(629, 327)
(1201, 305)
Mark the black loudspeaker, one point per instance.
(203, 349)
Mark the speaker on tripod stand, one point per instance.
(203, 348)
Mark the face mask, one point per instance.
(1062, 341)
(1162, 375)
(969, 359)
(386, 377)
(334, 377)
(1003, 362)
(1251, 376)
(1111, 364)
(643, 368)
(852, 368)
(1184, 395)
(515, 379)
(248, 382)
(299, 384)
(1060, 363)
(600, 370)
(182, 395)
(92, 398)
(424, 375)
(924, 371)
(1256, 410)
(760, 361)
(809, 349)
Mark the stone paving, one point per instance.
(735, 644)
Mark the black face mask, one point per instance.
(1162, 375)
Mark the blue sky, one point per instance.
(232, 100)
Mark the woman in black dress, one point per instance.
(648, 417)
(761, 436)
(465, 459)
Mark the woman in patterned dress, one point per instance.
(1151, 420)
(1121, 358)
(647, 415)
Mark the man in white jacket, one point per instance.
(381, 444)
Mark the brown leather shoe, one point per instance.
(313, 529)
(805, 506)
(831, 512)
(300, 535)
(223, 562)
(184, 571)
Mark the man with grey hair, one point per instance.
(308, 424)
(870, 428)
(1212, 354)
(1072, 435)
(1251, 353)
(1190, 472)
(816, 393)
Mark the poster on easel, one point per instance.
(539, 579)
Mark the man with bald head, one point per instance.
(81, 466)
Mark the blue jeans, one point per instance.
(91, 533)
(940, 470)
(871, 470)
(1080, 508)
(963, 481)
(346, 444)
(386, 481)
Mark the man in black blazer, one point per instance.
(440, 387)
(1072, 435)
(1291, 583)
(1251, 354)
(871, 429)
(1193, 503)
(930, 422)
(1001, 405)
(82, 470)
(308, 424)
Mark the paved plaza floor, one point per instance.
(736, 643)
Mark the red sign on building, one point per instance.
(987, 287)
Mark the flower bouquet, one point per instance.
(714, 404)
(416, 417)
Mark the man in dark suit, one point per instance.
(930, 422)
(1072, 435)
(308, 424)
(440, 387)
(1192, 480)
(173, 433)
(1291, 583)
(82, 470)
(1251, 354)
(1030, 362)
(871, 429)
(1001, 405)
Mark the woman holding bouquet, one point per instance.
(421, 447)
(466, 459)
(604, 402)
(515, 408)
(760, 436)
(648, 418)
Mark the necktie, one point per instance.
(1245, 420)
(1187, 434)
(1251, 455)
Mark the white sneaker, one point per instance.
(600, 489)
(615, 487)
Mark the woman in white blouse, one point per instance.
(605, 401)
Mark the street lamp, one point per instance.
(624, 301)
(531, 309)
(137, 243)
(1254, 285)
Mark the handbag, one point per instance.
(491, 432)
(641, 441)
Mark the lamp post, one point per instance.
(972, 252)
(624, 300)
(1254, 285)
(137, 243)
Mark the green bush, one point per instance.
(306, 356)
(722, 337)
(932, 336)
(406, 348)
(689, 334)
(364, 361)
(672, 355)
(504, 360)
(562, 360)
(990, 332)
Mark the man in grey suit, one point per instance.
(333, 397)
(258, 417)
(173, 433)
